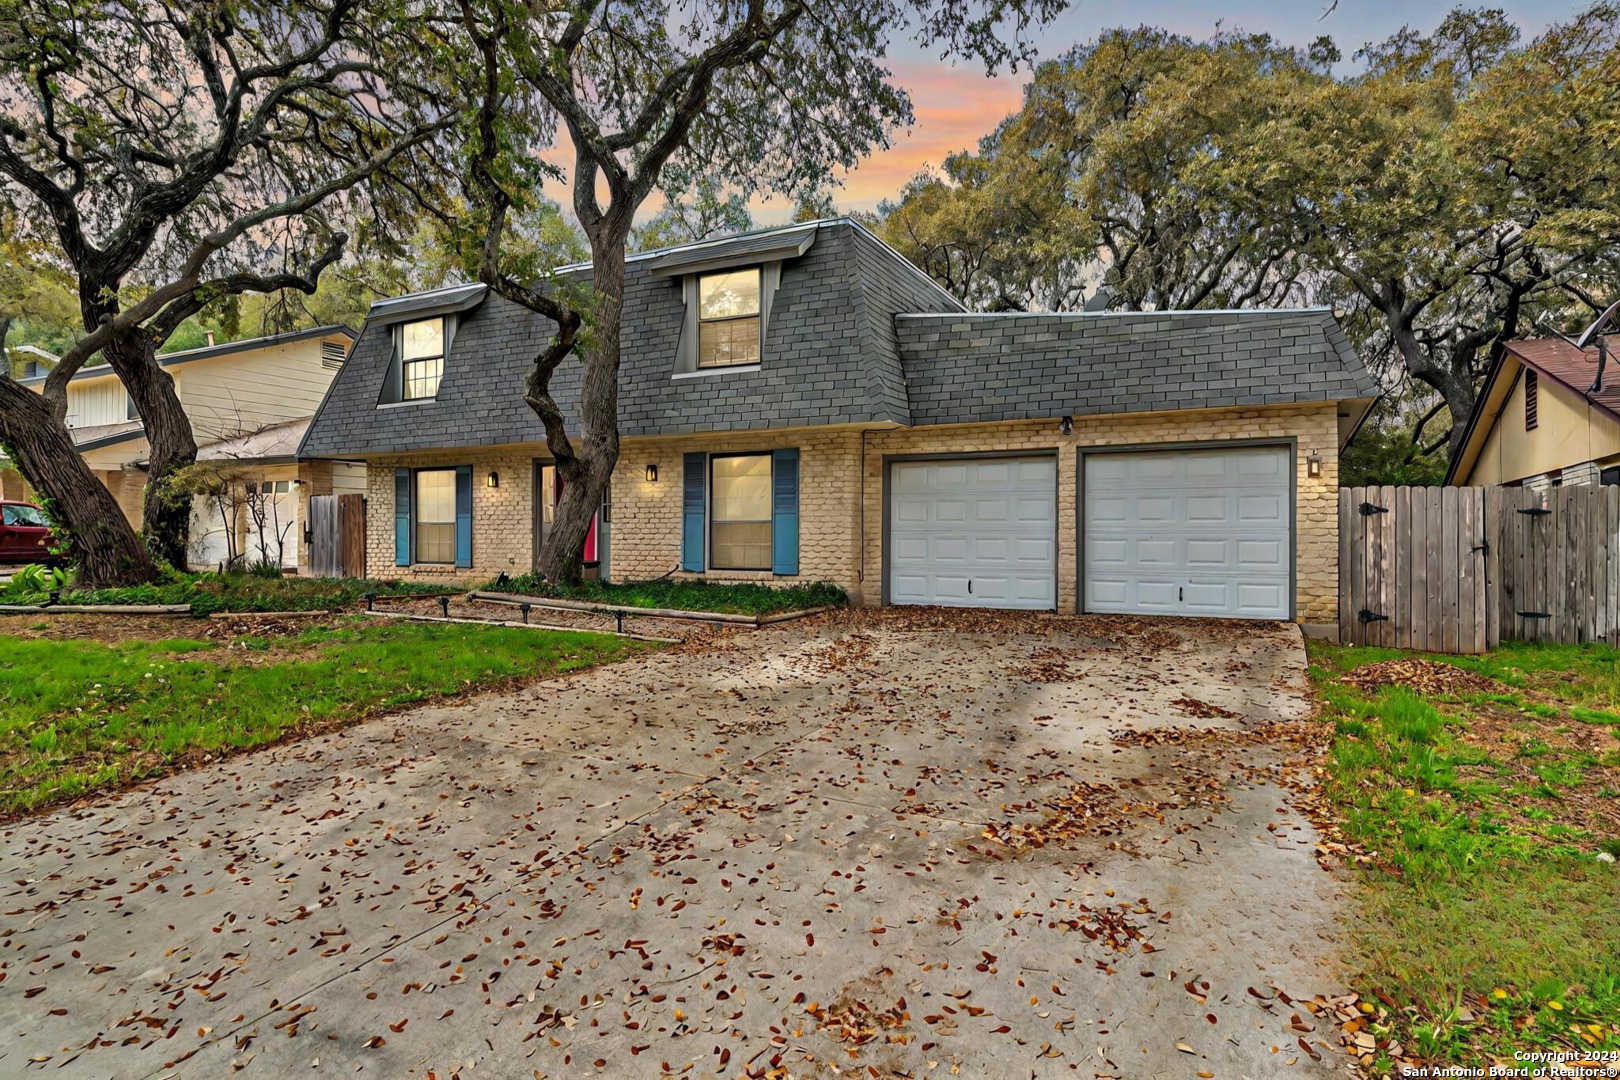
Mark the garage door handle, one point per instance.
(1179, 597)
(970, 585)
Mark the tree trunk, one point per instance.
(165, 512)
(105, 546)
(585, 477)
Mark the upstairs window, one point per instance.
(1531, 404)
(422, 357)
(728, 318)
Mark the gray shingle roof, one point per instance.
(830, 357)
(967, 368)
(856, 335)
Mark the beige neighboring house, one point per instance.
(249, 403)
(1543, 420)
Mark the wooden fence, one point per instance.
(337, 535)
(1458, 569)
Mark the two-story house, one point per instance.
(802, 404)
(249, 403)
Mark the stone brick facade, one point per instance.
(646, 525)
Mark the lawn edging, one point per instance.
(518, 625)
(95, 609)
(725, 617)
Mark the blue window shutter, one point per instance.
(693, 483)
(785, 512)
(463, 515)
(402, 517)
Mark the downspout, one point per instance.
(860, 572)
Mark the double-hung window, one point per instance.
(740, 512)
(436, 516)
(728, 318)
(422, 359)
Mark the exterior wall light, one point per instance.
(1313, 465)
(1066, 425)
(652, 473)
(493, 480)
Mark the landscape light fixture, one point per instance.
(652, 473)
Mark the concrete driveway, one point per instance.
(887, 843)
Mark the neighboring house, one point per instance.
(248, 401)
(802, 404)
(1539, 422)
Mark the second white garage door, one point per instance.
(973, 532)
(1202, 532)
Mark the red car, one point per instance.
(25, 534)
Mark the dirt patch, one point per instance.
(1420, 676)
(115, 629)
(1543, 756)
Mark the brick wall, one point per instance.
(646, 528)
(502, 515)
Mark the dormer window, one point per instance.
(422, 358)
(728, 318)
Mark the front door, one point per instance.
(548, 488)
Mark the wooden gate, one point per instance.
(337, 535)
(1458, 569)
(1414, 569)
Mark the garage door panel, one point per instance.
(1197, 532)
(985, 536)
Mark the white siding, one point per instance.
(94, 402)
(348, 478)
(241, 392)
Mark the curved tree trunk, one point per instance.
(586, 476)
(165, 512)
(103, 542)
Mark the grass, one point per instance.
(209, 593)
(740, 598)
(1487, 916)
(77, 716)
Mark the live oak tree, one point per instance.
(174, 155)
(754, 94)
(708, 213)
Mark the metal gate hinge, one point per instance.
(1536, 511)
(1364, 616)
(1534, 614)
(1368, 509)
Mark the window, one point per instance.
(728, 318)
(436, 516)
(130, 412)
(1530, 402)
(740, 512)
(30, 516)
(422, 356)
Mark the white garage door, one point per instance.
(974, 532)
(1203, 532)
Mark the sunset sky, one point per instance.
(956, 105)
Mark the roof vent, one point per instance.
(333, 354)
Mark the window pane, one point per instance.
(435, 543)
(735, 341)
(722, 296)
(741, 545)
(742, 488)
(422, 378)
(436, 496)
(423, 339)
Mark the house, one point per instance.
(249, 403)
(801, 404)
(1542, 419)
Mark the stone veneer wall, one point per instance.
(646, 527)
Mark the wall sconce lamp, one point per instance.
(493, 480)
(1066, 425)
(1313, 465)
(652, 473)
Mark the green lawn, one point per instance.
(742, 598)
(1487, 915)
(208, 593)
(78, 716)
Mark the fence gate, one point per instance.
(1415, 569)
(1560, 564)
(337, 535)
